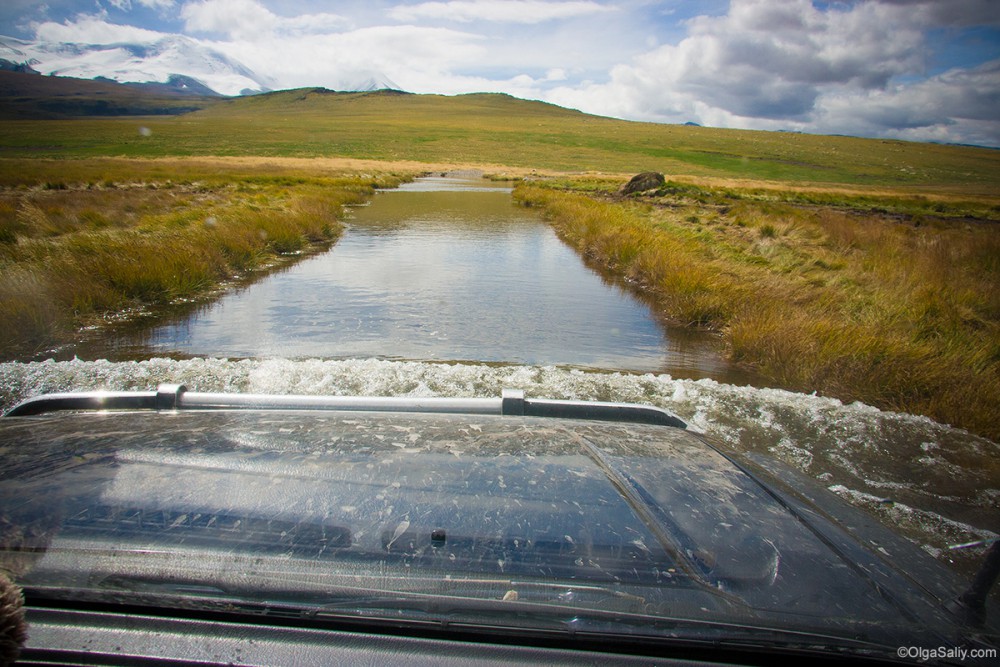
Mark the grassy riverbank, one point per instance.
(865, 269)
(891, 300)
(88, 242)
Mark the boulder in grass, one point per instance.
(647, 180)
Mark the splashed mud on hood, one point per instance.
(119, 501)
(948, 477)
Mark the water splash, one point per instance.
(935, 484)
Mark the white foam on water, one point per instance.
(918, 522)
(930, 471)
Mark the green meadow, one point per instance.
(498, 130)
(862, 269)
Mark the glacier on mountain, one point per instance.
(158, 61)
(166, 60)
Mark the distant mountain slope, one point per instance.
(174, 61)
(496, 131)
(374, 82)
(33, 96)
(159, 61)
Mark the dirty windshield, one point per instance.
(473, 517)
(779, 222)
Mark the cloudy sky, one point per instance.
(911, 69)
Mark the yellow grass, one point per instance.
(901, 313)
(78, 252)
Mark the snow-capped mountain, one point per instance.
(376, 81)
(167, 59)
(172, 60)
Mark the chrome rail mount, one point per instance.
(172, 397)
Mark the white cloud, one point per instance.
(770, 60)
(556, 74)
(789, 64)
(853, 67)
(248, 19)
(959, 105)
(512, 11)
(93, 29)
(126, 5)
(948, 13)
(239, 19)
(418, 59)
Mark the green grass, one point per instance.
(494, 129)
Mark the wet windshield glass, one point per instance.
(330, 511)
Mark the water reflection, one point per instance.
(441, 269)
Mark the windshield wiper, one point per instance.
(566, 596)
(527, 609)
(331, 595)
(510, 616)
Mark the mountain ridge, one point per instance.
(165, 61)
(137, 62)
(32, 96)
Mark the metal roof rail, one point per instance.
(511, 402)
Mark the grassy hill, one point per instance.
(33, 96)
(496, 129)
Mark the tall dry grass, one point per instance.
(901, 313)
(79, 254)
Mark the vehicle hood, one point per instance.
(655, 519)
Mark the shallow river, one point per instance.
(440, 269)
(445, 288)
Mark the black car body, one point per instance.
(297, 530)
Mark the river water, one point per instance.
(439, 269)
(446, 288)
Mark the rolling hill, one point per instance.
(481, 129)
(33, 96)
